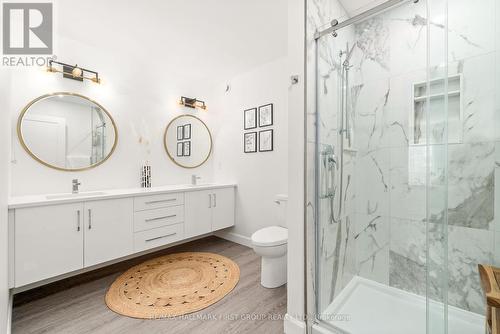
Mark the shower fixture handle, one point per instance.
(329, 163)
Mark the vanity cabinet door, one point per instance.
(198, 213)
(108, 230)
(223, 208)
(48, 242)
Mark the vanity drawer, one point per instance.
(149, 219)
(158, 201)
(158, 237)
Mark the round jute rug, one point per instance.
(173, 285)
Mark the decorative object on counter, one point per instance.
(192, 103)
(266, 115)
(266, 141)
(250, 142)
(190, 153)
(75, 186)
(51, 130)
(173, 285)
(250, 118)
(73, 72)
(146, 176)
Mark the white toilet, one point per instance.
(271, 243)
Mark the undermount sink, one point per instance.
(201, 184)
(65, 196)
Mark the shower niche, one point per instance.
(435, 92)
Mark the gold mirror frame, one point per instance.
(166, 147)
(23, 143)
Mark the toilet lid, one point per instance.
(270, 236)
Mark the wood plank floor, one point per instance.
(76, 305)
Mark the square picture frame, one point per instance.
(250, 142)
(187, 148)
(266, 115)
(187, 131)
(266, 140)
(180, 149)
(180, 132)
(250, 119)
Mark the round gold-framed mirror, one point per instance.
(67, 131)
(188, 141)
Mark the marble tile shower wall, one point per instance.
(382, 235)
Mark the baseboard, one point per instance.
(9, 313)
(294, 326)
(234, 237)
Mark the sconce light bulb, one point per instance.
(76, 72)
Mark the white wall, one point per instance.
(140, 102)
(4, 192)
(144, 74)
(296, 200)
(262, 175)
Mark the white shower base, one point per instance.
(375, 308)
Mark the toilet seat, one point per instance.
(270, 236)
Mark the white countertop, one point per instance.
(41, 200)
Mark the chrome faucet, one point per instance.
(194, 179)
(76, 184)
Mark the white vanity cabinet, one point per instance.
(198, 216)
(209, 210)
(51, 238)
(108, 230)
(223, 208)
(48, 242)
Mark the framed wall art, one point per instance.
(250, 142)
(250, 118)
(266, 115)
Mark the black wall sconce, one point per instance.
(73, 71)
(192, 103)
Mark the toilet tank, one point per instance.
(281, 201)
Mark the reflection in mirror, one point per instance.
(188, 141)
(67, 131)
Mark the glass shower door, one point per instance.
(406, 165)
(381, 174)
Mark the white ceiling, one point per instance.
(197, 39)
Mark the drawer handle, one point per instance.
(163, 236)
(90, 219)
(161, 201)
(78, 219)
(160, 218)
